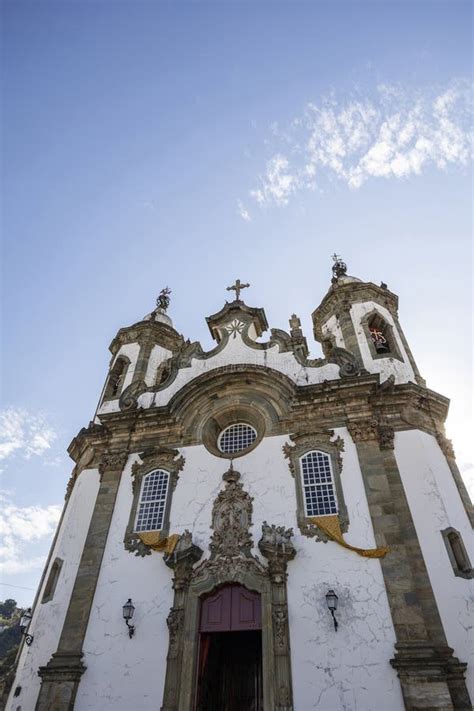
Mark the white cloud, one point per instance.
(277, 184)
(24, 433)
(20, 527)
(243, 212)
(395, 134)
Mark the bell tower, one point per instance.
(141, 358)
(362, 318)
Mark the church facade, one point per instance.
(249, 529)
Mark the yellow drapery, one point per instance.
(330, 526)
(158, 543)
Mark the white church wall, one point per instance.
(348, 669)
(48, 618)
(157, 356)
(332, 328)
(435, 504)
(402, 371)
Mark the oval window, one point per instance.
(236, 438)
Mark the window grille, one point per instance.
(151, 509)
(236, 438)
(318, 487)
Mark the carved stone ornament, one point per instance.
(347, 362)
(280, 620)
(113, 461)
(364, 430)
(446, 445)
(231, 519)
(154, 458)
(386, 437)
(174, 622)
(277, 547)
(182, 560)
(129, 398)
(284, 699)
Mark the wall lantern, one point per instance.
(25, 620)
(128, 610)
(331, 599)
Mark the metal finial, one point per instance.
(163, 300)
(237, 287)
(339, 268)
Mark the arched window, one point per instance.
(379, 334)
(457, 553)
(317, 483)
(116, 378)
(152, 504)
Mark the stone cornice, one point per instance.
(327, 405)
(148, 332)
(94, 435)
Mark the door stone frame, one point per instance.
(231, 561)
(205, 583)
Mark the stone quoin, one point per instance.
(223, 494)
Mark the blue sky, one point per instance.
(187, 143)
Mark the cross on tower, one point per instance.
(237, 287)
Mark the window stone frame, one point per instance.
(168, 460)
(467, 574)
(233, 414)
(304, 444)
(394, 351)
(52, 581)
(126, 360)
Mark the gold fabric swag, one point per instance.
(331, 527)
(157, 542)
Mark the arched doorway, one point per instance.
(230, 651)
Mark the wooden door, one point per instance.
(232, 608)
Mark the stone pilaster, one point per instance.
(431, 678)
(351, 343)
(181, 561)
(446, 447)
(146, 343)
(277, 547)
(61, 676)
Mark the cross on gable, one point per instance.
(237, 287)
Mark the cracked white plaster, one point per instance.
(157, 356)
(348, 668)
(332, 330)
